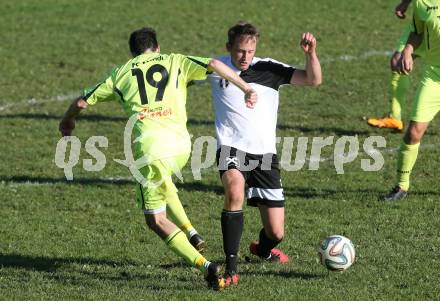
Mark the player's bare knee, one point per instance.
(150, 222)
(234, 195)
(414, 134)
(232, 179)
(234, 200)
(154, 221)
(234, 190)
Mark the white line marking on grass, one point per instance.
(56, 181)
(33, 101)
(365, 55)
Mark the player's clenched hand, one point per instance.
(401, 9)
(406, 63)
(66, 126)
(250, 97)
(308, 42)
(395, 61)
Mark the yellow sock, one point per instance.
(177, 215)
(398, 90)
(405, 163)
(180, 245)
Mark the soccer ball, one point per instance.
(337, 253)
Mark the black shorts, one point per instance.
(261, 173)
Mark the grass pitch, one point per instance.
(86, 240)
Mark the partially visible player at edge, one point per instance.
(400, 83)
(426, 102)
(154, 86)
(250, 135)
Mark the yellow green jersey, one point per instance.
(409, 27)
(404, 37)
(154, 86)
(426, 21)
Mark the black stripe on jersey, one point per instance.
(427, 37)
(269, 74)
(414, 24)
(119, 93)
(92, 91)
(142, 196)
(198, 62)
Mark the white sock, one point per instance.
(206, 264)
(192, 232)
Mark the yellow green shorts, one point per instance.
(426, 102)
(152, 196)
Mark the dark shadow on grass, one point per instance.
(90, 117)
(200, 186)
(374, 194)
(286, 274)
(142, 281)
(322, 130)
(54, 268)
(256, 263)
(422, 193)
(51, 264)
(310, 192)
(191, 121)
(297, 192)
(76, 181)
(188, 186)
(198, 122)
(173, 265)
(329, 131)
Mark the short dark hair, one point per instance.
(240, 29)
(141, 40)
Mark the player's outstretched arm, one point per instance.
(312, 75)
(406, 61)
(228, 74)
(67, 123)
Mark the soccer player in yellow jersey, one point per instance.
(426, 103)
(400, 83)
(152, 87)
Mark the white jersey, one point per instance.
(249, 130)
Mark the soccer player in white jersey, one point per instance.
(250, 135)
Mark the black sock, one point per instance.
(232, 228)
(266, 244)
